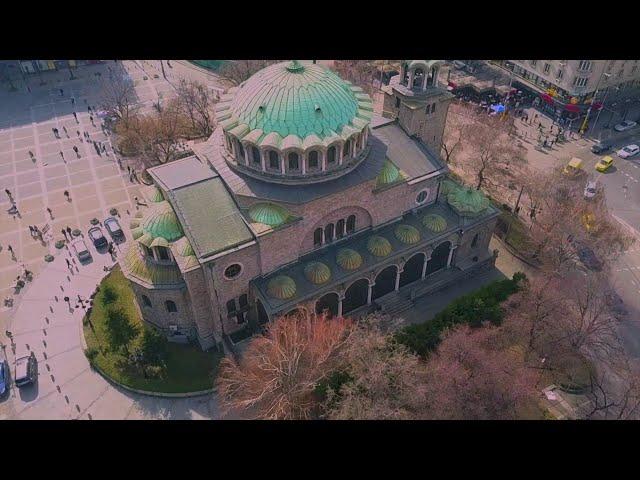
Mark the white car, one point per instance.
(628, 151)
(590, 189)
(626, 125)
(80, 249)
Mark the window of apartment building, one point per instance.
(547, 68)
(584, 65)
(580, 81)
(633, 69)
(560, 74)
(533, 62)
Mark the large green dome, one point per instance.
(292, 99)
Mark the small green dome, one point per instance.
(348, 259)
(434, 222)
(268, 213)
(159, 242)
(317, 272)
(146, 240)
(379, 246)
(388, 175)
(137, 232)
(294, 99)
(407, 234)
(184, 248)
(467, 202)
(152, 194)
(281, 287)
(162, 221)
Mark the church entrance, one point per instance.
(355, 296)
(439, 258)
(412, 270)
(328, 303)
(385, 282)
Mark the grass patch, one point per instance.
(186, 367)
(472, 309)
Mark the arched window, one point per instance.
(347, 149)
(163, 253)
(331, 155)
(171, 306)
(328, 233)
(313, 160)
(274, 160)
(243, 300)
(145, 301)
(231, 306)
(233, 270)
(294, 163)
(474, 242)
(146, 250)
(255, 155)
(340, 228)
(240, 150)
(351, 224)
(418, 78)
(317, 237)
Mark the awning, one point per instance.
(572, 108)
(547, 98)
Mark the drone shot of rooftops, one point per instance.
(319, 240)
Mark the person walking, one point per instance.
(78, 132)
(65, 131)
(8, 192)
(61, 93)
(31, 230)
(68, 263)
(88, 108)
(50, 213)
(67, 196)
(75, 149)
(69, 232)
(75, 115)
(91, 118)
(10, 248)
(62, 156)
(54, 130)
(64, 232)
(73, 101)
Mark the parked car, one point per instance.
(80, 249)
(4, 376)
(26, 370)
(590, 189)
(604, 164)
(626, 125)
(588, 257)
(114, 229)
(601, 147)
(97, 237)
(573, 168)
(628, 151)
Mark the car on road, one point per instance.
(604, 164)
(628, 151)
(26, 370)
(601, 147)
(590, 189)
(4, 377)
(114, 229)
(80, 249)
(97, 237)
(573, 168)
(624, 126)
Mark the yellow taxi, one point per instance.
(604, 164)
(573, 168)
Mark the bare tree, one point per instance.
(278, 373)
(237, 71)
(197, 102)
(452, 140)
(119, 97)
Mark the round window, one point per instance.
(422, 197)
(233, 270)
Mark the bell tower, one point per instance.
(416, 100)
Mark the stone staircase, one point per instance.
(394, 303)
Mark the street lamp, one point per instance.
(595, 94)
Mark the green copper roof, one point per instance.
(434, 222)
(159, 242)
(161, 221)
(135, 223)
(467, 202)
(268, 213)
(281, 287)
(293, 99)
(146, 240)
(407, 234)
(348, 259)
(133, 265)
(184, 248)
(152, 194)
(137, 232)
(389, 174)
(379, 246)
(317, 272)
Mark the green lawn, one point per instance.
(187, 368)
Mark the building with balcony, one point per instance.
(303, 198)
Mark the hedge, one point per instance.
(473, 309)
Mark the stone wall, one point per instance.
(159, 316)
(432, 126)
